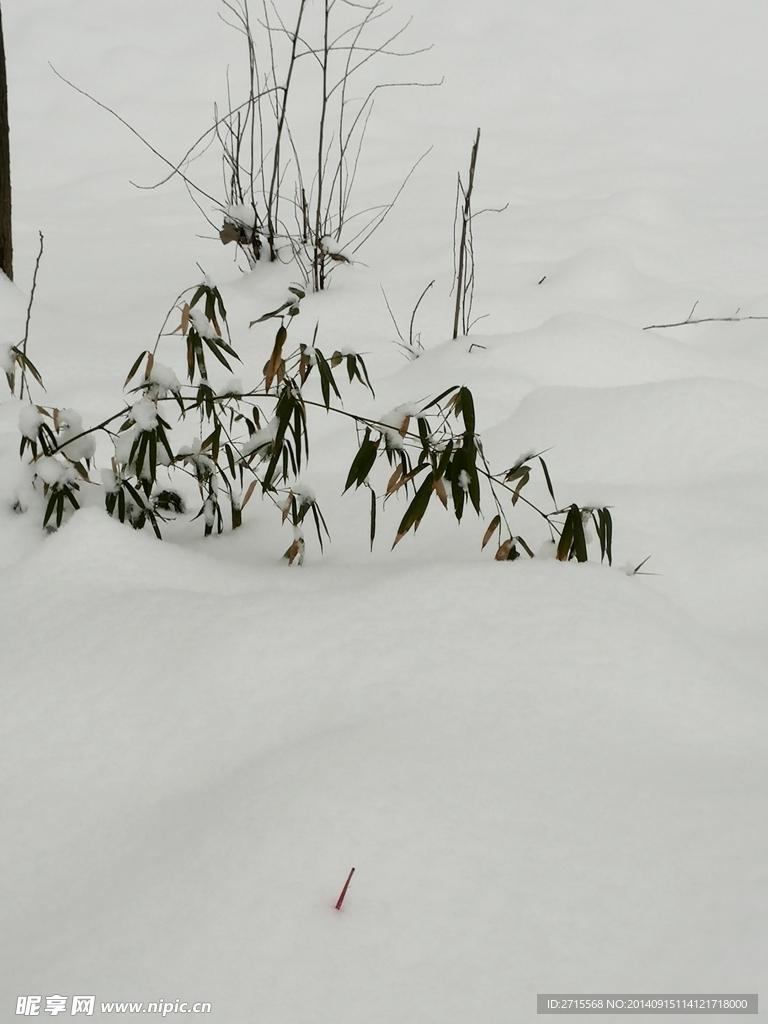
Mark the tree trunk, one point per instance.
(6, 238)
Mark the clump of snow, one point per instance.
(391, 423)
(164, 377)
(30, 419)
(6, 358)
(144, 414)
(202, 324)
(233, 387)
(194, 455)
(303, 492)
(53, 472)
(110, 481)
(71, 425)
(123, 443)
(261, 440)
(240, 214)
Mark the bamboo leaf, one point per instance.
(415, 511)
(394, 480)
(504, 551)
(248, 493)
(566, 538)
(468, 410)
(548, 480)
(273, 364)
(492, 526)
(525, 547)
(50, 508)
(524, 478)
(608, 535)
(134, 368)
(214, 347)
(440, 397)
(363, 461)
(373, 517)
(439, 489)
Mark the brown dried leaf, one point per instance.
(493, 525)
(394, 480)
(287, 507)
(230, 233)
(404, 426)
(523, 481)
(502, 555)
(273, 365)
(150, 364)
(185, 318)
(248, 493)
(439, 488)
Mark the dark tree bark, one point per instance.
(6, 237)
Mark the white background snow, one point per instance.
(549, 777)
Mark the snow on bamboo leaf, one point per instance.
(260, 439)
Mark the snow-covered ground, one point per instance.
(549, 777)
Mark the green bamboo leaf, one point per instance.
(468, 410)
(275, 312)
(327, 381)
(283, 411)
(599, 521)
(445, 459)
(373, 517)
(440, 397)
(163, 437)
(579, 540)
(362, 462)
(525, 547)
(319, 522)
(474, 486)
(228, 349)
(415, 511)
(548, 480)
(424, 432)
(220, 303)
(134, 368)
(608, 535)
(457, 466)
(364, 369)
(565, 544)
(214, 347)
(50, 507)
(152, 454)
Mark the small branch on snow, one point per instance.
(340, 900)
(704, 320)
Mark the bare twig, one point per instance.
(413, 315)
(464, 255)
(704, 320)
(26, 326)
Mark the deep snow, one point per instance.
(548, 777)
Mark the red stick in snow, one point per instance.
(340, 900)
